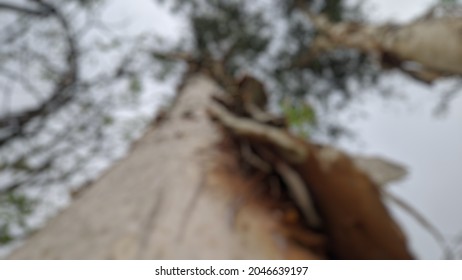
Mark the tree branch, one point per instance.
(14, 125)
(24, 10)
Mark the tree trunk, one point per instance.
(180, 194)
(191, 190)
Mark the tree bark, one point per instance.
(180, 194)
(187, 191)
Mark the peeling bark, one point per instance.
(356, 222)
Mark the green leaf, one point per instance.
(300, 116)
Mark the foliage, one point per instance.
(271, 40)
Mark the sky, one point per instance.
(397, 11)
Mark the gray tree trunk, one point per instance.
(178, 195)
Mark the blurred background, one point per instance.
(80, 80)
